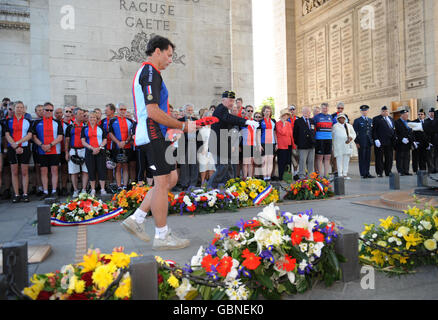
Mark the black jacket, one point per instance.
(431, 128)
(402, 132)
(304, 137)
(383, 132)
(226, 122)
(421, 137)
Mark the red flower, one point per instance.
(160, 279)
(78, 296)
(298, 234)
(251, 260)
(220, 196)
(203, 199)
(225, 266)
(288, 265)
(318, 237)
(173, 203)
(216, 238)
(44, 295)
(208, 261)
(192, 208)
(233, 234)
(105, 206)
(235, 194)
(252, 224)
(87, 209)
(72, 206)
(87, 277)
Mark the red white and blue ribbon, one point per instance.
(263, 195)
(94, 221)
(320, 187)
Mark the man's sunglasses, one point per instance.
(249, 111)
(48, 110)
(68, 111)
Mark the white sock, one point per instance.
(139, 216)
(46, 191)
(160, 233)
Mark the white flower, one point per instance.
(266, 237)
(426, 224)
(269, 214)
(320, 219)
(303, 247)
(232, 275)
(374, 235)
(197, 259)
(303, 264)
(435, 236)
(183, 289)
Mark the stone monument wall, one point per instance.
(86, 52)
(364, 52)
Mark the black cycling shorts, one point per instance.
(48, 160)
(157, 163)
(15, 158)
(323, 147)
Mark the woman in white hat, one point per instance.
(343, 140)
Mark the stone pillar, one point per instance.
(242, 62)
(39, 44)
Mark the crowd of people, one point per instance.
(75, 150)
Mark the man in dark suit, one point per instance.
(304, 138)
(421, 139)
(432, 149)
(405, 141)
(384, 140)
(364, 141)
(220, 141)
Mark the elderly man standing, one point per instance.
(187, 152)
(405, 141)
(304, 138)
(220, 139)
(384, 139)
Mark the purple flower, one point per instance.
(213, 274)
(187, 268)
(241, 225)
(243, 271)
(211, 250)
(267, 255)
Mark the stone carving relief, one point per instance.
(137, 51)
(310, 5)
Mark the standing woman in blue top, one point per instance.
(94, 140)
(323, 136)
(268, 142)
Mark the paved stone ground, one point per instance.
(17, 223)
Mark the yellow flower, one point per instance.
(382, 243)
(33, 291)
(253, 195)
(90, 263)
(368, 228)
(430, 244)
(411, 240)
(415, 212)
(76, 285)
(435, 221)
(435, 236)
(103, 276)
(386, 224)
(377, 257)
(120, 259)
(243, 184)
(173, 281)
(124, 289)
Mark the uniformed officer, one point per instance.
(364, 141)
(405, 141)
(419, 153)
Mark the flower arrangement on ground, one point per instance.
(130, 200)
(82, 209)
(401, 245)
(273, 254)
(88, 280)
(203, 200)
(253, 192)
(311, 188)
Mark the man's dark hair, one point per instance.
(239, 99)
(47, 104)
(158, 42)
(111, 106)
(38, 106)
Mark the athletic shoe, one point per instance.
(170, 242)
(93, 193)
(136, 229)
(16, 199)
(347, 178)
(103, 192)
(76, 194)
(25, 198)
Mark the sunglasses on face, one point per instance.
(249, 111)
(68, 112)
(48, 110)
